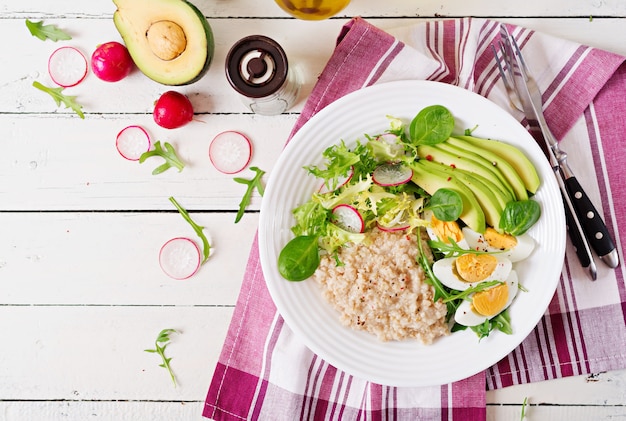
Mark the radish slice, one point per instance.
(395, 228)
(341, 181)
(132, 142)
(348, 218)
(230, 152)
(180, 258)
(67, 66)
(392, 140)
(392, 174)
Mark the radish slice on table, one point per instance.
(348, 218)
(180, 258)
(132, 142)
(230, 152)
(392, 174)
(67, 66)
(341, 181)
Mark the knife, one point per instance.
(594, 228)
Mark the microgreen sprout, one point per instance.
(169, 154)
(253, 183)
(59, 97)
(161, 342)
(206, 246)
(523, 415)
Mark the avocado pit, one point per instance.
(166, 39)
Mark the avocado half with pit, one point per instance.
(170, 41)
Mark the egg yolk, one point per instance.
(475, 267)
(446, 229)
(498, 240)
(491, 301)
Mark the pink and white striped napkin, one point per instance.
(264, 372)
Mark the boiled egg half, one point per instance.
(515, 248)
(468, 270)
(444, 230)
(486, 304)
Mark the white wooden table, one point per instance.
(82, 294)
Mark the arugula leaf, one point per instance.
(169, 154)
(59, 97)
(44, 32)
(161, 342)
(501, 322)
(461, 295)
(253, 183)
(441, 293)
(206, 247)
(454, 250)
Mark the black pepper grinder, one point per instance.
(257, 68)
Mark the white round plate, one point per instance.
(316, 323)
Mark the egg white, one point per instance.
(445, 272)
(467, 317)
(523, 249)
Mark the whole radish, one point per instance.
(172, 110)
(111, 62)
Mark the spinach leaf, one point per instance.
(432, 125)
(299, 258)
(518, 216)
(446, 204)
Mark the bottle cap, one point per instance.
(256, 66)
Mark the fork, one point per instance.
(519, 102)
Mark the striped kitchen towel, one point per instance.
(264, 372)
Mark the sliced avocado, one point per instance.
(170, 41)
(514, 156)
(431, 181)
(507, 170)
(489, 203)
(480, 160)
(445, 156)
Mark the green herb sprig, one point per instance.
(452, 249)
(59, 97)
(501, 322)
(169, 154)
(206, 246)
(253, 183)
(161, 342)
(44, 32)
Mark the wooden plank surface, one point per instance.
(80, 227)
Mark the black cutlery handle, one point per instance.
(576, 237)
(591, 221)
